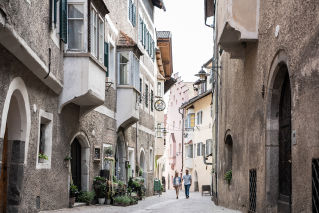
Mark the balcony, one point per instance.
(128, 82)
(84, 65)
(238, 25)
(127, 106)
(189, 163)
(84, 80)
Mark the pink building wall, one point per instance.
(180, 92)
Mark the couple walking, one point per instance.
(177, 183)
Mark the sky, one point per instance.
(192, 40)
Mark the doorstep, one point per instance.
(79, 204)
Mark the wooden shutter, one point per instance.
(106, 57)
(140, 29)
(134, 15)
(192, 120)
(54, 12)
(64, 21)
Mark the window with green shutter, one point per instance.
(106, 57)
(140, 26)
(64, 20)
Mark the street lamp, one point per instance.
(202, 75)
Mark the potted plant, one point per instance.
(42, 157)
(86, 197)
(99, 185)
(109, 196)
(228, 176)
(140, 172)
(73, 193)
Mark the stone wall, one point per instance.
(244, 104)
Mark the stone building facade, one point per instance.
(62, 97)
(267, 104)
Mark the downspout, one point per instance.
(216, 104)
(136, 156)
(182, 137)
(216, 57)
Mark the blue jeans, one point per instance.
(187, 189)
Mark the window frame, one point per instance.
(45, 118)
(83, 19)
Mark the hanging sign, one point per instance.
(159, 105)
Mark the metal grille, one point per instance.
(315, 185)
(252, 190)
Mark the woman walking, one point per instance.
(177, 183)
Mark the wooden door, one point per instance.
(285, 148)
(76, 163)
(4, 175)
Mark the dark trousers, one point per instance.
(187, 189)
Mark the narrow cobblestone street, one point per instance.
(166, 203)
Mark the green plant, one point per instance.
(86, 197)
(43, 156)
(99, 185)
(114, 179)
(228, 176)
(140, 172)
(68, 158)
(73, 190)
(125, 200)
(108, 151)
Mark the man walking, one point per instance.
(187, 183)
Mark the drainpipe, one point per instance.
(136, 155)
(216, 68)
(182, 136)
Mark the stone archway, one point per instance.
(278, 137)
(120, 157)
(143, 163)
(14, 140)
(80, 163)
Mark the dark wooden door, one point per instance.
(285, 147)
(76, 163)
(4, 175)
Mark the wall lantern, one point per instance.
(202, 75)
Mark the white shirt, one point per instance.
(187, 179)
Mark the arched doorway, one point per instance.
(76, 163)
(142, 162)
(80, 154)
(120, 157)
(228, 153)
(284, 201)
(278, 138)
(14, 137)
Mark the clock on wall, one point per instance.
(159, 105)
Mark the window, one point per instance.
(75, 27)
(146, 95)
(159, 89)
(190, 120)
(131, 158)
(190, 151)
(132, 12)
(124, 66)
(159, 130)
(199, 117)
(208, 147)
(152, 101)
(128, 69)
(44, 140)
(97, 36)
(106, 163)
(200, 149)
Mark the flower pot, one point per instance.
(108, 201)
(41, 160)
(71, 202)
(101, 201)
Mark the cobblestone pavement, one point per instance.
(166, 203)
